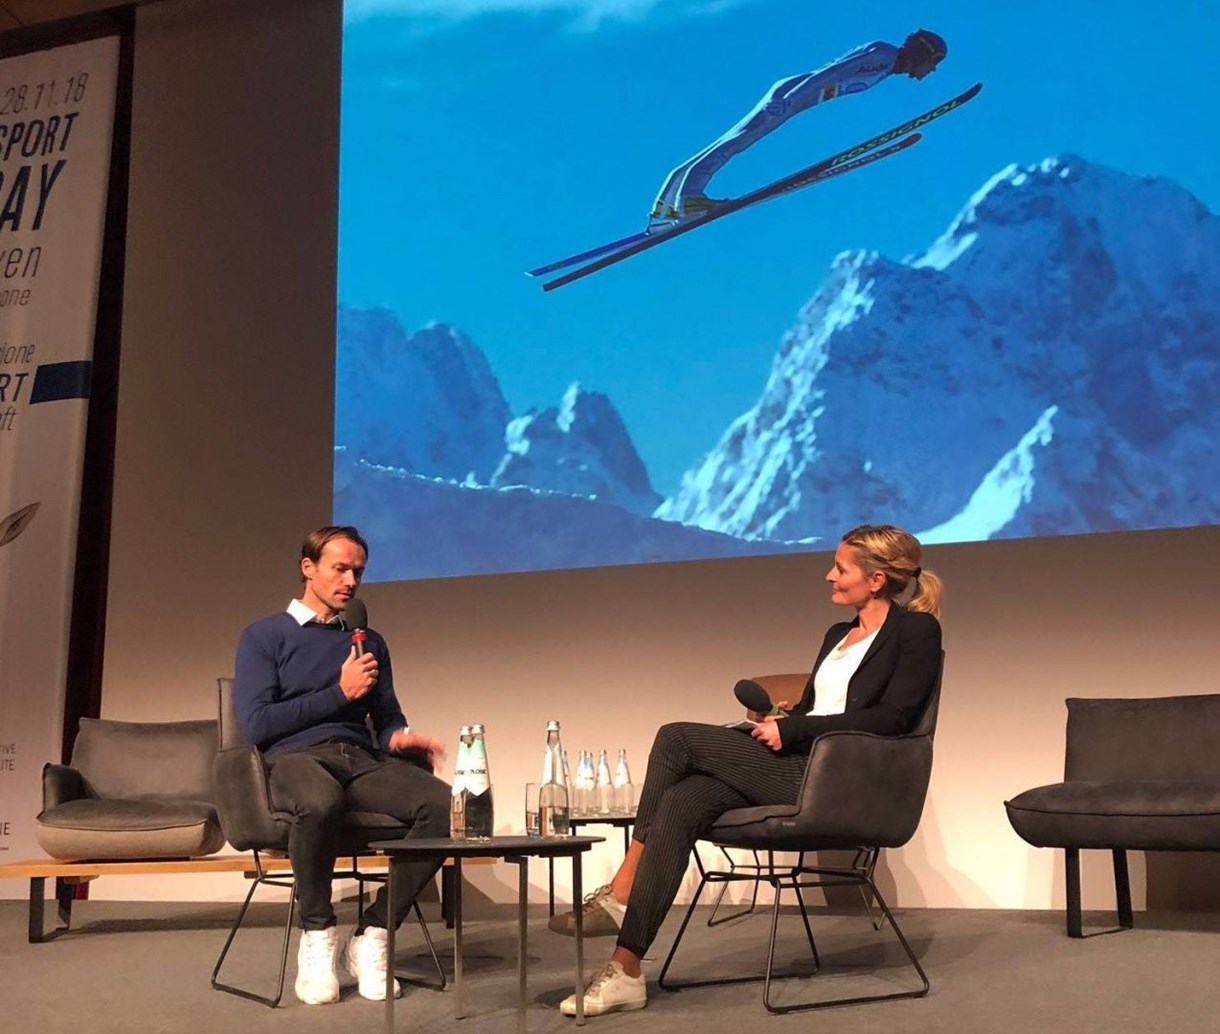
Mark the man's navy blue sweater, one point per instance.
(287, 687)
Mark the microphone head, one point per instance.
(356, 614)
(752, 696)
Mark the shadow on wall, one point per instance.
(923, 865)
(1183, 880)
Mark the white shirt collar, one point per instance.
(302, 615)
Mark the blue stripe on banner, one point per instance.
(54, 382)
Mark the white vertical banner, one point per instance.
(56, 121)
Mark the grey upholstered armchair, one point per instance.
(1139, 775)
(861, 793)
(133, 790)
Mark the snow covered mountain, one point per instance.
(580, 448)
(1049, 365)
(426, 402)
(420, 527)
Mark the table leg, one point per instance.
(391, 901)
(457, 938)
(523, 890)
(550, 884)
(38, 889)
(578, 895)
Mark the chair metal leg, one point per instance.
(1122, 889)
(1071, 857)
(792, 880)
(866, 862)
(923, 989)
(442, 982)
(800, 901)
(217, 985)
(733, 867)
(718, 877)
(361, 879)
(690, 911)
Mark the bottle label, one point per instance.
(476, 779)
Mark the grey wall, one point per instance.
(223, 464)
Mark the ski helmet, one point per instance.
(923, 51)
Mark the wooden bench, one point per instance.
(69, 875)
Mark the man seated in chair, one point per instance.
(307, 698)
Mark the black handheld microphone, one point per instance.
(356, 617)
(753, 697)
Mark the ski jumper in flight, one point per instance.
(682, 196)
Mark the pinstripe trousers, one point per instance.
(696, 773)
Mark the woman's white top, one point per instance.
(830, 684)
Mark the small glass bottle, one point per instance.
(605, 785)
(585, 781)
(624, 792)
(553, 806)
(480, 810)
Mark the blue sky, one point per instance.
(483, 137)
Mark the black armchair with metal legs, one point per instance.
(860, 793)
(864, 860)
(250, 823)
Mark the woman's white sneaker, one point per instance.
(602, 916)
(610, 990)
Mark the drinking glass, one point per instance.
(532, 825)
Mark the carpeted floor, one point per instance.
(140, 968)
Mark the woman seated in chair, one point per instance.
(872, 674)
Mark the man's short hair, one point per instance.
(315, 541)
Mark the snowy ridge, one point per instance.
(421, 527)
(580, 448)
(1008, 485)
(425, 402)
(1063, 291)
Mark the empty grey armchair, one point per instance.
(862, 793)
(1140, 774)
(133, 790)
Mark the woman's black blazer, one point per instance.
(887, 693)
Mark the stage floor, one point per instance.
(140, 968)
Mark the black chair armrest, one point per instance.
(243, 803)
(864, 788)
(60, 784)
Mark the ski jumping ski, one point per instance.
(592, 253)
(810, 174)
(883, 144)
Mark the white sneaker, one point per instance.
(610, 990)
(316, 981)
(366, 961)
